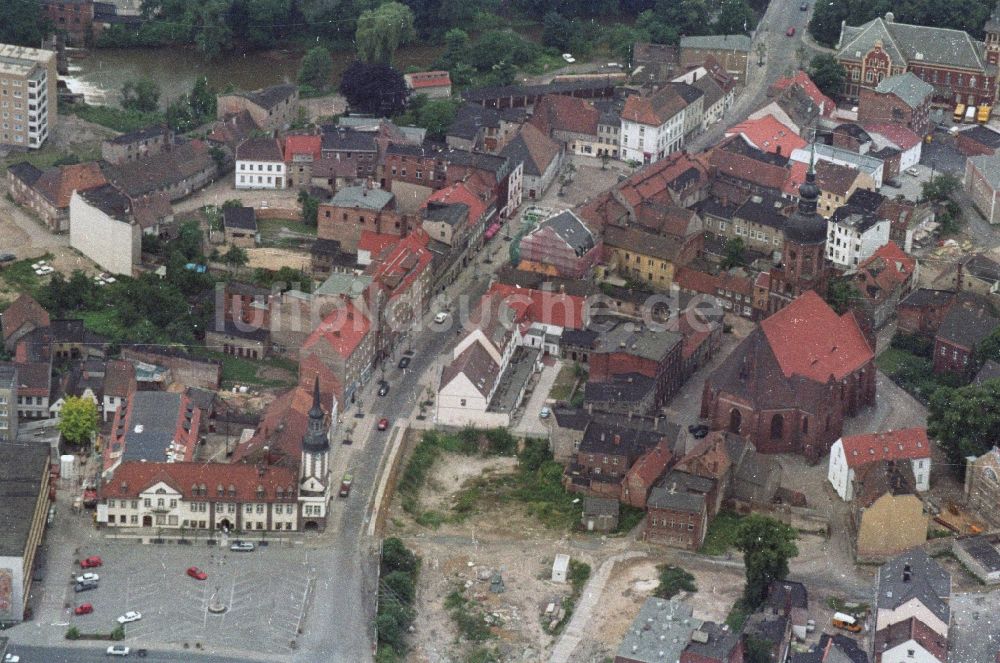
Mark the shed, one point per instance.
(560, 568)
(600, 514)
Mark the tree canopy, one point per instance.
(965, 421)
(316, 68)
(374, 88)
(827, 74)
(141, 94)
(767, 545)
(22, 24)
(968, 15)
(382, 30)
(78, 420)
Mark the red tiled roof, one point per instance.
(375, 243)
(902, 137)
(654, 110)
(695, 281)
(530, 305)
(654, 182)
(424, 79)
(34, 378)
(744, 167)
(802, 79)
(809, 339)
(403, 264)
(343, 330)
(24, 310)
(905, 444)
(119, 378)
(768, 134)
(133, 477)
(888, 267)
(830, 177)
(58, 184)
(460, 192)
(651, 465)
(557, 112)
(311, 367)
(311, 145)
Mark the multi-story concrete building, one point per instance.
(103, 228)
(982, 183)
(854, 235)
(904, 99)
(8, 402)
(653, 126)
(28, 79)
(24, 501)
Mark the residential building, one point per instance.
(357, 209)
(28, 110)
(481, 128)
(898, 147)
(850, 454)
(837, 184)
(638, 254)
(432, 84)
(715, 102)
(103, 228)
(980, 556)
(882, 281)
(977, 140)
(975, 274)
(624, 349)
(768, 134)
(832, 649)
(655, 63)
(72, 18)
(652, 126)
(794, 94)
(231, 339)
(967, 324)
(912, 586)
(902, 99)
(923, 311)
(819, 152)
(540, 156)
(741, 170)
(731, 51)
(982, 486)
(180, 171)
(153, 427)
(24, 503)
(949, 60)
(467, 387)
(302, 153)
(607, 456)
(47, 193)
(777, 388)
(8, 402)
(350, 146)
(118, 385)
(694, 108)
(853, 236)
(677, 510)
(502, 176)
(759, 222)
(982, 183)
(732, 291)
(23, 316)
(561, 245)
(344, 343)
(34, 389)
(327, 257)
(260, 164)
(575, 123)
(272, 108)
(136, 145)
(240, 226)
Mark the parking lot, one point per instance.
(265, 593)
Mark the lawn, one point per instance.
(19, 277)
(50, 155)
(118, 119)
(562, 388)
(237, 370)
(721, 535)
(914, 373)
(891, 360)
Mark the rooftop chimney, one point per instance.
(617, 439)
(907, 573)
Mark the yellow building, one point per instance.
(888, 517)
(642, 256)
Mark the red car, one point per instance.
(84, 609)
(197, 573)
(91, 562)
(383, 424)
(790, 32)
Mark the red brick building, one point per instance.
(247, 304)
(967, 324)
(977, 141)
(677, 510)
(646, 471)
(630, 350)
(923, 311)
(606, 454)
(74, 18)
(789, 385)
(901, 99)
(356, 209)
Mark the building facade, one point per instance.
(103, 229)
(28, 80)
(652, 127)
(24, 502)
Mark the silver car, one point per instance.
(242, 546)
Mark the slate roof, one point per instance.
(571, 418)
(617, 439)
(471, 118)
(22, 471)
(339, 139)
(25, 172)
(967, 324)
(625, 388)
(571, 230)
(983, 550)
(766, 210)
(158, 171)
(689, 93)
(138, 135)
(643, 242)
(859, 220)
(712, 91)
(260, 149)
(910, 89)
(152, 425)
(241, 218)
(450, 213)
(928, 582)
(720, 645)
(904, 42)
(110, 200)
(533, 148)
(477, 365)
(270, 97)
(718, 42)
(361, 197)
(927, 297)
(988, 166)
(660, 497)
(600, 506)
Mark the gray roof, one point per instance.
(624, 388)
(600, 506)
(627, 337)
(983, 550)
(243, 218)
(909, 43)
(450, 213)
(851, 217)
(340, 139)
(152, 425)
(718, 42)
(928, 582)
(989, 371)
(22, 471)
(110, 200)
(660, 632)
(719, 642)
(362, 197)
(471, 118)
(975, 627)
(270, 97)
(25, 172)
(140, 134)
(908, 87)
(967, 324)
(571, 418)
(572, 230)
(830, 153)
(928, 297)
(661, 498)
(689, 93)
(8, 375)
(989, 166)
(712, 91)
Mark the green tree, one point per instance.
(687, 17)
(619, 40)
(988, 350)
(757, 651)
(316, 68)
(456, 48)
(212, 34)
(557, 31)
(841, 294)
(733, 252)
(202, 100)
(965, 421)
(382, 30)
(401, 585)
(734, 18)
(674, 580)
(436, 116)
(652, 28)
(940, 188)
(141, 94)
(22, 24)
(767, 545)
(179, 116)
(235, 257)
(374, 88)
(397, 557)
(310, 208)
(78, 420)
(827, 74)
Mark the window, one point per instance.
(133, 520)
(111, 504)
(147, 502)
(462, 402)
(135, 504)
(248, 508)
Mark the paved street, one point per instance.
(95, 653)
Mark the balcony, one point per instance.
(160, 509)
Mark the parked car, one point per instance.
(545, 412)
(383, 388)
(913, 172)
(84, 586)
(804, 7)
(345, 484)
(383, 424)
(11, 658)
(129, 617)
(6, 258)
(242, 546)
(118, 650)
(83, 609)
(440, 317)
(698, 431)
(404, 362)
(91, 562)
(88, 576)
(568, 57)
(790, 32)
(197, 573)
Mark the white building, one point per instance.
(823, 152)
(27, 95)
(103, 228)
(652, 127)
(848, 454)
(260, 164)
(898, 137)
(853, 235)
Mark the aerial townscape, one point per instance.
(482, 331)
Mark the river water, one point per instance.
(98, 74)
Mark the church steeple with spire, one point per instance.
(992, 30)
(316, 439)
(314, 467)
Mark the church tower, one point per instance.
(803, 263)
(314, 468)
(992, 30)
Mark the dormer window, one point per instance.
(219, 490)
(260, 492)
(232, 490)
(204, 489)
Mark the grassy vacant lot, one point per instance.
(237, 370)
(285, 233)
(19, 277)
(721, 535)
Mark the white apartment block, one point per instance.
(28, 80)
(854, 235)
